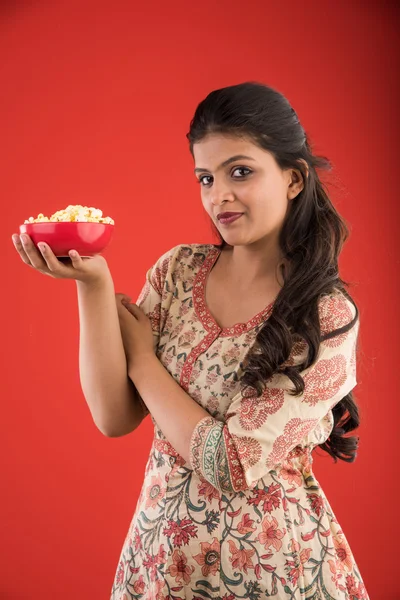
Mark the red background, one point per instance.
(95, 102)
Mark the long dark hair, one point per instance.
(311, 240)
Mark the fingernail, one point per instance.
(24, 238)
(42, 248)
(15, 239)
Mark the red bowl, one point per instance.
(84, 237)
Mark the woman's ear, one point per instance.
(296, 184)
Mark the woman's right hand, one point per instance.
(87, 270)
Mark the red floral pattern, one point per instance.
(246, 518)
(254, 413)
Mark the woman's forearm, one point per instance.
(112, 398)
(175, 411)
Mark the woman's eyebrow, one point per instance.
(227, 162)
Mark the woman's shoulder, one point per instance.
(181, 260)
(335, 310)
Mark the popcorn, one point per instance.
(74, 213)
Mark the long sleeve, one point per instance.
(259, 433)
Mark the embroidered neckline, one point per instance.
(201, 308)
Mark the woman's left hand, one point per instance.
(136, 330)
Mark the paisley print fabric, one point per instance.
(246, 516)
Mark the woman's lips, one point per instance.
(231, 219)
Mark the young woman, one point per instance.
(244, 354)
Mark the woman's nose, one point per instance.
(220, 193)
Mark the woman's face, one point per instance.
(236, 175)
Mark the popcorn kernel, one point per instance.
(74, 213)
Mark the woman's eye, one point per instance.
(205, 184)
(200, 179)
(241, 169)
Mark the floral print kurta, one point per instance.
(246, 517)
